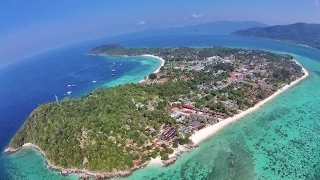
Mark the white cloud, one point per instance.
(196, 15)
(192, 16)
(316, 3)
(142, 23)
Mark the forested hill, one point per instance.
(108, 48)
(299, 33)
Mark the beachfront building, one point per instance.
(195, 125)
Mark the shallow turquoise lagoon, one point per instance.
(147, 66)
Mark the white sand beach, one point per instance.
(206, 132)
(155, 162)
(156, 57)
(158, 162)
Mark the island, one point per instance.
(298, 33)
(111, 132)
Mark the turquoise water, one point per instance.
(29, 164)
(147, 66)
(279, 141)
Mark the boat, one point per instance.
(69, 85)
(113, 70)
(94, 81)
(73, 85)
(69, 92)
(112, 74)
(120, 64)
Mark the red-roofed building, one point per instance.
(187, 111)
(233, 76)
(187, 106)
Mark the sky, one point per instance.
(34, 26)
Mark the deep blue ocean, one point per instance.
(26, 84)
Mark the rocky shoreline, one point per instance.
(176, 155)
(10, 150)
(83, 173)
(86, 174)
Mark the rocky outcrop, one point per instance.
(10, 150)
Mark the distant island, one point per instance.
(216, 27)
(114, 131)
(299, 33)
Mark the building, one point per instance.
(238, 77)
(139, 105)
(187, 106)
(150, 107)
(196, 125)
